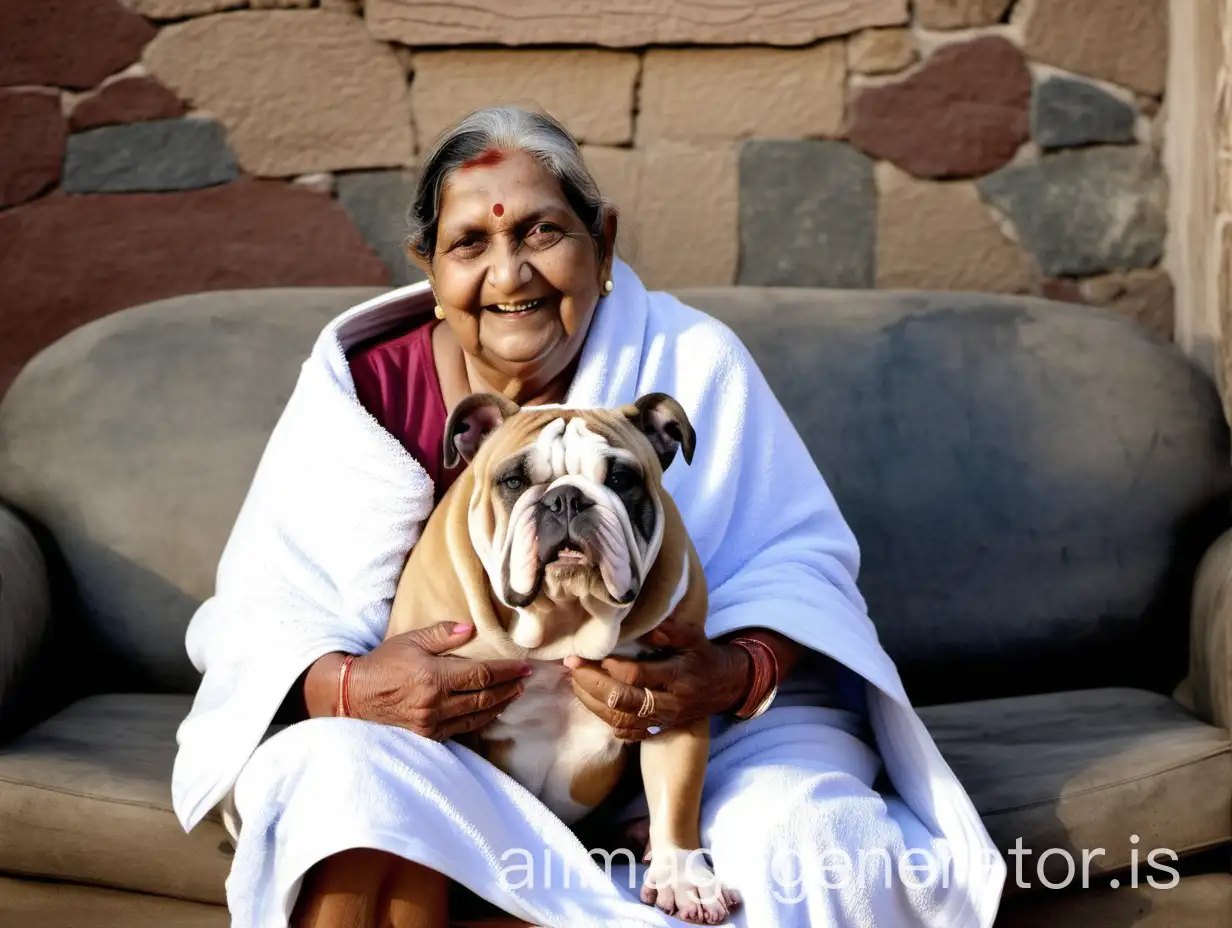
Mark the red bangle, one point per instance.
(344, 676)
(765, 677)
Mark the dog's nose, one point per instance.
(566, 501)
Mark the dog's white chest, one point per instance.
(539, 714)
(549, 736)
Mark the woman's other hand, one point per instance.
(410, 682)
(698, 678)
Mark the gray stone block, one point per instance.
(1066, 113)
(166, 154)
(1086, 212)
(377, 202)
(808, 215)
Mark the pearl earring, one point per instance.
(607, 286)
(440, 313)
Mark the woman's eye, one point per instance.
(544, 233)
(470, 245)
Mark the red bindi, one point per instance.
(498, 210)
(485, 159)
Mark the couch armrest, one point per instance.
(1207, 691)
(25, 604)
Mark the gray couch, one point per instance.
(1039, 490)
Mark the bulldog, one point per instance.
(558, 539)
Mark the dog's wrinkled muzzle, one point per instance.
(568, 518)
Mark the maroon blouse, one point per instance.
(395, 379)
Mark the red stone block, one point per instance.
(32, 153)
(963, 114)
(130, 99)
(68, 43)
(66, 260)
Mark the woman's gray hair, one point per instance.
(505, 128)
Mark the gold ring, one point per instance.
(648, 705)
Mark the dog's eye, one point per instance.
(620, 480)
(513, 483)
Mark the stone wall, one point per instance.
(156, 147)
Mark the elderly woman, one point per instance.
(825, 801)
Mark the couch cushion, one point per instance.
(86, 797)
(1199, 901)
(1088, 770)
(60, 905)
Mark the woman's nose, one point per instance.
(508, 271)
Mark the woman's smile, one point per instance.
(519, 309)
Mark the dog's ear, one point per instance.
(474, 418)
(664, 422)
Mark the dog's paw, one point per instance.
(681, 883)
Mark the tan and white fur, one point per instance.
(558, 539)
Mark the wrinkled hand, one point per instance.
(409, 682)
(696, 679)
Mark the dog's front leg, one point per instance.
(679, 880)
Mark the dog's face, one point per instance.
(566, 506)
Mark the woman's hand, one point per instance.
(407, 681)
(699, 678)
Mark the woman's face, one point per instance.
(515, 270)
